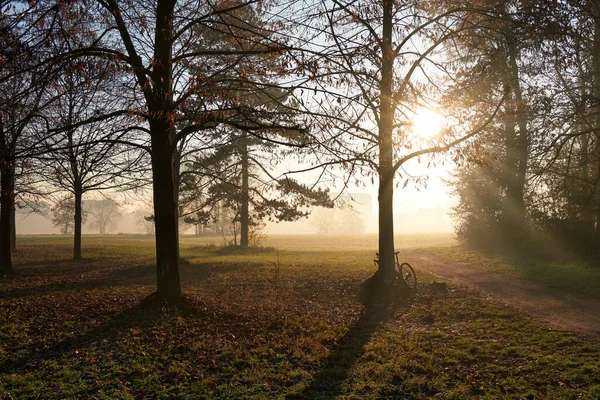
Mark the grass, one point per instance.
(283, 323)
(581, 277)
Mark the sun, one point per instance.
(427, 123)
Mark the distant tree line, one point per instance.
(200, 102)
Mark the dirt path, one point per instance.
(557, 308)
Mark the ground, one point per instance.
(556, 306)
(287, 322)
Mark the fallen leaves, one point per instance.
(248, 329)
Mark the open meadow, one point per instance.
(288, 320)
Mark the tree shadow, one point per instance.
(141, 317)
(80, 279)
(334, 369)
(141, 321)
(61, 276)
(62, 266)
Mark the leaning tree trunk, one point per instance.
(245, 195)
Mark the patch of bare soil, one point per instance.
(558, 308)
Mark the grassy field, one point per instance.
(287, 321)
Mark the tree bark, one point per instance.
(6, 193)
(165, 213)
(77, 224)
(158, 95)
(13, 219)
(386, 171)
(76, 173)
(520, 140)
(245, 195)
(386, 223)
(516, 141)
(163, 154)
(585, 204)
(596, 122)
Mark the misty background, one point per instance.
(415, 210)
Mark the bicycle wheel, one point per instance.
(407, 273)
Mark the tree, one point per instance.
(243, 184)
(567, 164)
(29, 192)
(63, 215)
(85, 155)
(339, 220)
(145, 221)
(23, 84)
(241, 166)
(103, 214)
(152, 40)
(379, 64)
(491, 187)
(534, 170)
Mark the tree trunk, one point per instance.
(245, 195)
(6, 194)
(164, 159)
(596, 121)
(521, 140)
(77, 184)
(386, 224)
(584, 205)
(234, 227)
(165, 213)
(7, 181)
(77, 224)
(13, 219)
(386, 172)
(515, 164)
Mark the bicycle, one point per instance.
(402, 271)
